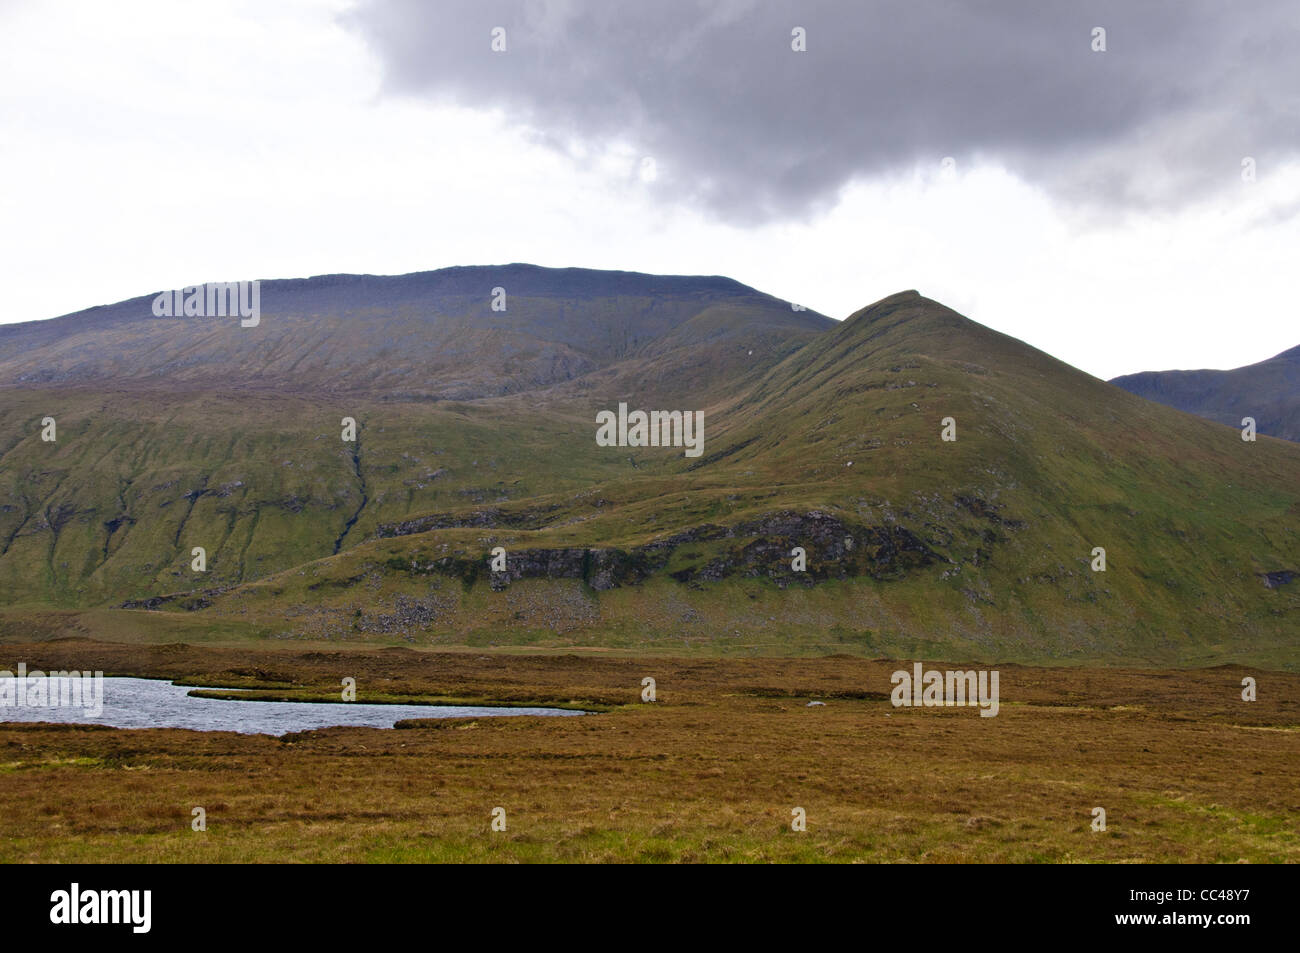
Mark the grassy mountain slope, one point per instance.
(825, 440)
(1268, 391)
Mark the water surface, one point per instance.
(152, 703)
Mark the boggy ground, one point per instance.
(1185, 769)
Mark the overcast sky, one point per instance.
(1092, 203)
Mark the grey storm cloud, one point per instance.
(741, 123)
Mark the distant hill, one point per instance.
(1268, 391)
(427, 335)
(476, 429)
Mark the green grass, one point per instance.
(1049, 463)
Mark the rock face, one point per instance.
(754, 549)
(487, 517)
(834, 549)
(760, 548)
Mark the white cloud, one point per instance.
(186, 144)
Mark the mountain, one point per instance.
(430, 335)
(818, 435)
(1268, 391)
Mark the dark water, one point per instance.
(149, 703)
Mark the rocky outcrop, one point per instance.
(759, 548)
(488, 517)
(189, 601)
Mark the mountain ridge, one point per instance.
(1268, 391)
(410, 334)
(829, 440)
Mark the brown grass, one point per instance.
(1185, 770)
